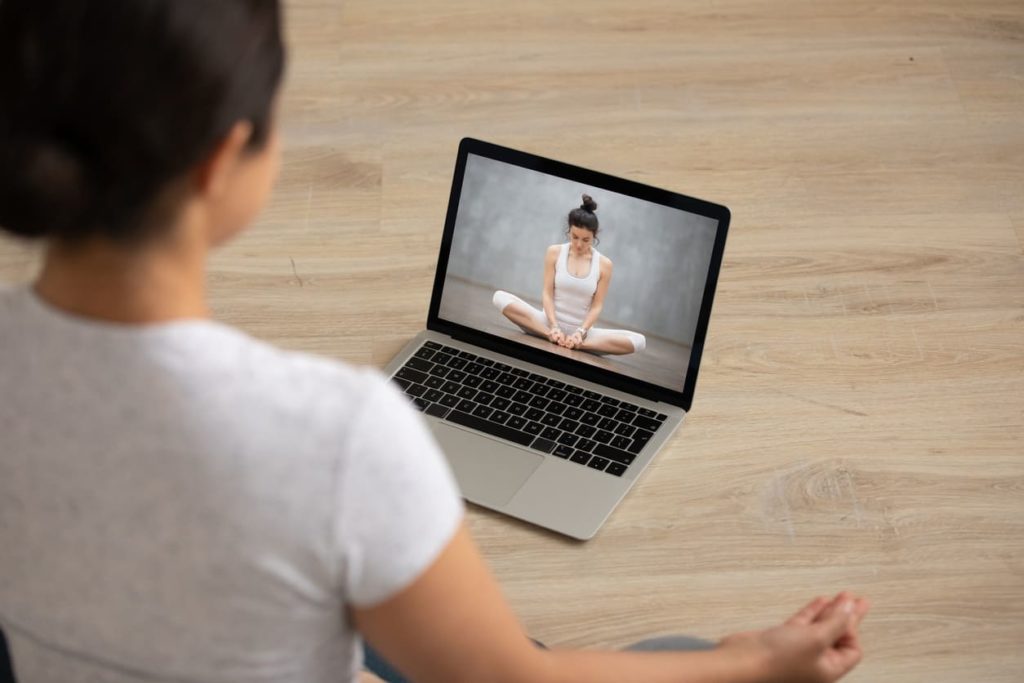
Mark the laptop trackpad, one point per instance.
(488, 471)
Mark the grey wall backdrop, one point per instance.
(509, 215)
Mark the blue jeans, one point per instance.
(380, 667)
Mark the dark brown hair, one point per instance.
(583, 216)
(104, 103)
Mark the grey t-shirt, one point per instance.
(181, 502)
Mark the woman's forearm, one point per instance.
(592, 315)
(711, 666)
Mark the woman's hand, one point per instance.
(573, 342)
(556, 336)
(819, 644)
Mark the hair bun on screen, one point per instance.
(588, 204)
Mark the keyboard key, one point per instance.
(506, 392)
(534, 377)
(489, 373)
(450, 350)
(660, 418)
(516, 422)
(466, 392)
(597, 463)
(466, 406)
(484, 398)
(441, 358)
(568, 439)
(573, 413)
(573, 390)
(551, 382)
(472, 381)
(467, 355)
(522, 383)
(502, 367)
(533, 428)
(589, 418)
(603, 436)
(614, 454)
(534, 414)
(419, 364)
(502, 403)
(621, 442)
(610, 401)
(586, 430)
(625, 430)
(607, 423)
(440, 371)
(551, 433)
(517, 409)
(456, 375)
(437, 410)
(522, 397)
(647, 413)
(423, 353)
(556, 408)
(568, 425)
(563, 451)
(590, 405)
(629, 406)
(580, 457)
(538, 402)
(544, 445)
(484, 361)
(431, 345)
(519, 372)
(434, 382)
(554, 394)
(586, 445)
(592, 394)
(539, 389)
(607, 410)
(499, 416)
(647, 423)
(640, 440)
(450, 387)
(625, 415)
(615, 469)
(506, 378)
(450, 401)
(404, 383)
(420, 403)
(490, 386)
(458, 363)
(482, 411)
(551, 420)
(473, 368)
(433, 395)
(411, 375)
(572, 400)
(415, 389)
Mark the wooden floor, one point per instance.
(859, 420)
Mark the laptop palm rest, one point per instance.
(488, 471)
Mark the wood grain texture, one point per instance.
(859, 419)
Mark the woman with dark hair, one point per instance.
(179, 501)
(576, 280)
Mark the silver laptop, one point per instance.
(565, 331)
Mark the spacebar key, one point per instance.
(488, 427)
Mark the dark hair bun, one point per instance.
(588, 204)
(42, 189)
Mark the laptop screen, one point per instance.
(578, 270)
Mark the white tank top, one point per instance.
(573, 295)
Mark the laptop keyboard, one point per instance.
(546, 415)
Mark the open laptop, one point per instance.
(552, 435)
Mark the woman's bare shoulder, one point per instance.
(606, 263)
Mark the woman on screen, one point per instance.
(576, 279)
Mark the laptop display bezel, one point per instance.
(585, 371)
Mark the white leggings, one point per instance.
(502, 299)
